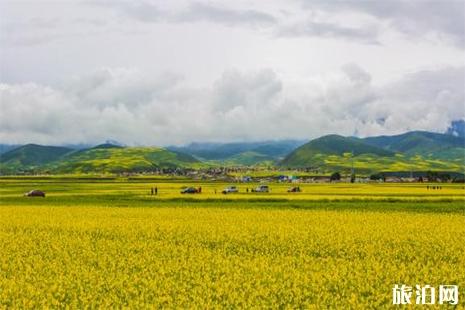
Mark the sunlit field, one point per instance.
(109, 243)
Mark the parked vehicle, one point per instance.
(230, 189)
(35, 193)
(261, 189)
(189, 190)
(294, 189)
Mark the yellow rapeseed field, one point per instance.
(203, 256)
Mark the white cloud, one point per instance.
(130, 107)
(427, 100)
(255, 90)
(334, 66)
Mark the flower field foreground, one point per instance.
(205, 256)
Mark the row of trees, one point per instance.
(431, 176)
(336, 176)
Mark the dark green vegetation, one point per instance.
(34, 155)
(311, 152)
(413, 151)
(338, 145)
(420, 143)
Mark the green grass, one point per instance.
(119, 191)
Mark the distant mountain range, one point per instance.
(412, 151)
(245, 153)
(7, 147)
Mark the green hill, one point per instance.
(115, 159)
(419, 143)
(30, 156)
(334, 153)
(310, 154)
(104, 158)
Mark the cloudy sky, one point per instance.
(171, 72)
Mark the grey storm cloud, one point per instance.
(367, 35)
(445, 19)
(145, 11)
(441, 20)
(206, 12)
(239, 105)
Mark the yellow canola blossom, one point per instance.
(208, 257)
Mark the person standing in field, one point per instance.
(156, 190)
(151, 191)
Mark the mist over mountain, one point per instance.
(7, 147)
(222, 151)
(457, 128)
